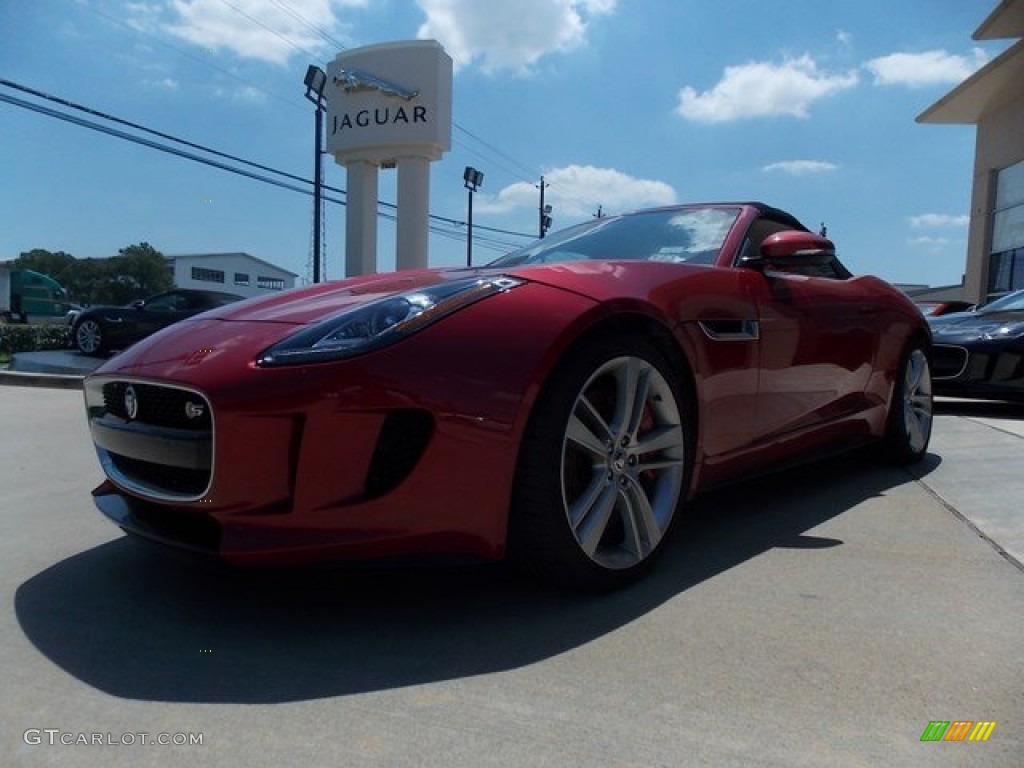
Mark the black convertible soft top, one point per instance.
(779, 215)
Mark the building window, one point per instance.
(1006, 259)
(1005, 272)
(208, 275)
(270, 283)
(241, 278)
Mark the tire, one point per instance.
(909, 425)
(89, 337)
(602, 474)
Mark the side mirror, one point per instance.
(796, 249)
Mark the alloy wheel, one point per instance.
(917, 401)
(622, 467)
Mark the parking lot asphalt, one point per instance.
(824, 616)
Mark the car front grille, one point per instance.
(171, 480)
(159, 405)
(152, 439)
(948, 361)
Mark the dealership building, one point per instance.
(993, 100)
(237, 273)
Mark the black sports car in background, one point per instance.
(99, 329)
(981, 353)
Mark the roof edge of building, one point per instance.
(943, 111)
(170, 256)
(1006, 21)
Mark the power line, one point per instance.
(190, 156)
(138, 127)
(309, 25)
(205, 60)
(486, 243)
(531, 173)
(269, 29)
(151, 144)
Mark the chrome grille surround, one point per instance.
(162, 454)
(949, 361)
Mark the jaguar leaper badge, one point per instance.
(131, 402)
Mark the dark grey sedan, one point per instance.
(100, 329)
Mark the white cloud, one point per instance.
(577, 190)
(508, 34)
(918, 70)
(762, 89)
(801, 167)
(939, 220)
(143, 17)
(245, 28)
(844, 38)
(167, 83)
(929, 242)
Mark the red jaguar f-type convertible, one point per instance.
(558, 406)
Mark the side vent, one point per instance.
(402, 440)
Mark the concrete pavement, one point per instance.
(60, 369)
(976, 468)
(820, 617)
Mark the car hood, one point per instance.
(309, 304)
(232, 334)
(600, 280)
(977, 324)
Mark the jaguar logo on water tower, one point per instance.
(390, 107)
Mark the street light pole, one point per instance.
(545, 210)
(315, 81)
(473, 179)
(317, 191)
(469, 232)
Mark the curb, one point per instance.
(52, 380)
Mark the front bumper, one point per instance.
(980, 369)
(308, 482)
(406, 451)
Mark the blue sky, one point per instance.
(803, 104)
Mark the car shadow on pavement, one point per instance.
(139, 623)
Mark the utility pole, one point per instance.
(599, 215)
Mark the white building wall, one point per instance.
(237, 273)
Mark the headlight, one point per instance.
(382, 322)
(1006, 330)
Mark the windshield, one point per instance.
(1009, 302)
(693, 235)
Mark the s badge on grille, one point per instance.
(193, 410)
(131, 402)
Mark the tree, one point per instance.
(56, 264)
(136, 272)
(88, 281)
